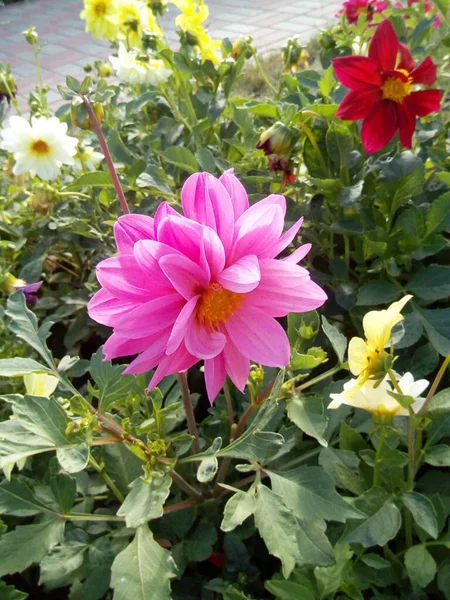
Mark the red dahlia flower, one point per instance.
(354, 8)
(382, 90)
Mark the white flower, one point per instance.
(132, 67)
(40, 148)
(86, 158)
(374, 397)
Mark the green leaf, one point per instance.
(9, 592)
(339, 143)
(259, 446)
(118, 149)
(351, 440)
(206, 160)
(309, 415)
(17, 499)
(207, 469)
(143, 570)
(60, 563)
(16, 367)
(438, 456)
(181, 157)
(277, 527)
(423, 512)
(309, 492)
(374, 561)
(122, 465)
(337, 339)
(238, 508)
(438, 215)
(383, 522)
(113, 386)
(437, 325)
(430, 283)
(92, 179)
(64, 488)
(288, 590)
(443, 6)
(440, 402)
(443, 578)
(377, 292)
(74, 458)
(314, 546)
(343, 466)
(312, 359)
(145, 500)
(24, 325)
(28, 544)
(330, 579)
(420, 566)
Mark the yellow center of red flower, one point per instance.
(40, 147)
(395, 89)
(217, 305)
(100, 9)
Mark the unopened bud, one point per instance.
(242, 46)
(104, 69)
(31, 36)
(149, 41)
(80, 116)
(278, 139)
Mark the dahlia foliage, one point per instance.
(383, 90)
(204, 286)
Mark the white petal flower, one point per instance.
(132, 67)
(87, 158)
(40, 148)
(374, 396)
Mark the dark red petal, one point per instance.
(406, 124)
(424, 102)
(425, 73)
(384, 46)
(406, 59)
(380, 126)
(356, 105)
(357, 72)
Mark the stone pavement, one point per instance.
(68, 48)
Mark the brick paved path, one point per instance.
(68, 48)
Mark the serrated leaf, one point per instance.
(259, 446)
(64, 488)
(145, 500)
(17, 499)
(337, 339)
(238, 508)
(28, 544)
(112, 384)
(16, 367)
(430, 283)
(438, 215)
(181, 157)
(309, 415)
(60, 563)
(423, 512)
(437, 325)
(420, 566)
(143, 570)
(309, 492)
(122, 465)
(24, 325)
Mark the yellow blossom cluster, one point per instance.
(193, 14)
(119, 20)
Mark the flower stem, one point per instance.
(319, 378)
(11, 95)
(39, 72)
(187, 487)
(107, 479)
(192, 425)
(264, 75)
(436, 382)
(107, 154)
(229, 401)
(376, 467)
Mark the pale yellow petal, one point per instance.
(357, 355)
(378, 324)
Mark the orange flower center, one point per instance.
(40, 147)
(217, 305)
(100, 9)
(395, 89)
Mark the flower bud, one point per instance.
(80, 117)
(158, 7)
(41, 198)
(149, 41)
(242, 46)
(278, 139)
(8, 86)
(104, 69)
(294, 56)
(284, 164)
(327, 41)
(31, 36)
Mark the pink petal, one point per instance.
(150, 357)
(124, 279)
(181, 234)
(259, 337)
(207, 201)
(202, 342)
(116, 345)
(150, 317)
(106, 308)
(163, 211)
(184, 274)
(298, 254)
(384, 46)
(179, 361)
(277, 199)
(181, 325)
(214, 376)
(212, 253)
(284, 241)
(242, 277)
(236, 364)
(147, 254)
(128, 229)
(258, 228)
(237, 192)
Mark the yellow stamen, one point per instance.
(217, 305)
(40, 147)
(395, 89)
(100, 9)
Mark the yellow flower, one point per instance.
(101, 18)
(366, 357)
(190, 21)
(133, 18)
(40, 384)
(208, 47)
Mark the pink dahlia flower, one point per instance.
(354, 8)
(204, 286)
